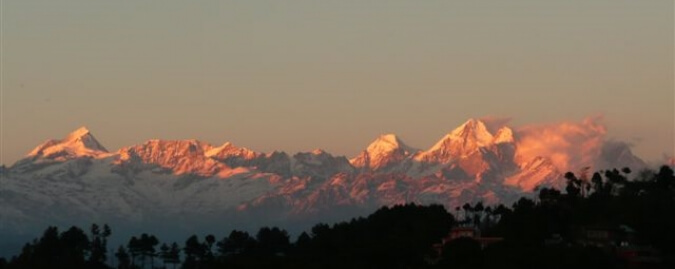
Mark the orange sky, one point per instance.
(296, 76)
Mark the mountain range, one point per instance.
(189, 183)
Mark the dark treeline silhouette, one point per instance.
(605, 221)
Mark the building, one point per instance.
(468, 232)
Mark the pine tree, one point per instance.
(194, 252)
(209, 241)
(164, 253)
(122, 256)
(147, 245)
(99, 243)
(467, 208)
(174, 254)
(134, 247)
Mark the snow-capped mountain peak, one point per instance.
(462, 141)
(318, 151)
(387, 143)
(79, 143)
(229, 150)
(79, 132)
(387, 149)
(539, 172)
(227, 146)
(473, 130)
(503, 135)
(179, 156)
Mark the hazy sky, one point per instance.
(299, 75)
